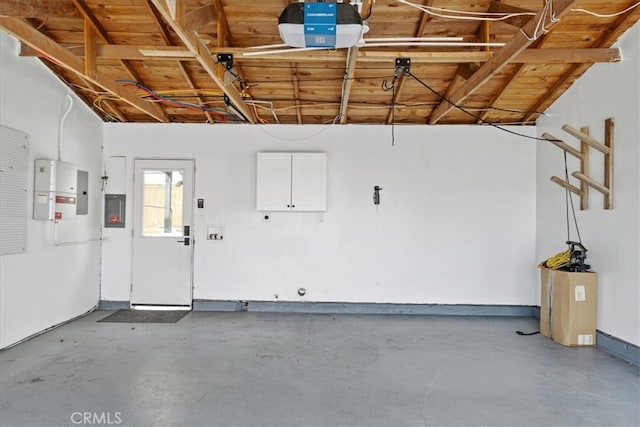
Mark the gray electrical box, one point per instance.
(82, 207)
(114, 210)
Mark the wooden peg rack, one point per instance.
(586, 181)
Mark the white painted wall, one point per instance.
(612, 237)
(48, 285)
(456, 223)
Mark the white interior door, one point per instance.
(162, 235)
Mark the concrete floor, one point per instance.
(242, 369)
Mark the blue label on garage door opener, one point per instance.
(320, 25)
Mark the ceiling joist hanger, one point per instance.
(202, 54)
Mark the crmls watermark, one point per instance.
(97, 418)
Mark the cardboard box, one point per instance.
(568, 307)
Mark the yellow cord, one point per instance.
(559, 260)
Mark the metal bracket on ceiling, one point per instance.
(226, 59)
(403, 66)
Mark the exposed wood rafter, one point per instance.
(529, 56)
(92, 23)
(296, 92)
(521, 40)
(578, 69)
(41, 9)
(61, 56)
(166, 36)
(424, 19)
(350, 71)
(203, 56)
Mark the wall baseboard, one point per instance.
(211, 305)
(619, 348)
(113, 305)
(364, 308)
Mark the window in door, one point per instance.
(163, 201)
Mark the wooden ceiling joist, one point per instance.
(89, 88)
(296, 93)
(41, 9)
(176, 44)
(91, 23)
(529, 56)
(352, 57)
(199, 17)
(61, 56)
(503, 57)
(203, 56)
(166, 36)
(399, 85)
(519, 20)
(577, 69)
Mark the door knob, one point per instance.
(185, 241)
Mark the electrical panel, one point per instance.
(114, 210)
(55, 190)
(82, 207)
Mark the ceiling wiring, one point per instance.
(469, 113)
(219, 113)
(257, 104)
(304, 138)
(465, 15)
(607, 15)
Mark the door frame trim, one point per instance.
(133, 222)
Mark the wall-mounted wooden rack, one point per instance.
(586, 181)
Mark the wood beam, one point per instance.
(157, 19)
(91, 20)
(367, 6)
(564, 184)
(41, 9)
(516, 21)
(61, 56)
(399, 86)
(608, 162)
(529, 56)
(166, 36)
(484, 34)
(501, 59)
(198, 18)
(508, 81)
(203, 56)
(296, 92)
(563, 146)
(607, 39)
(401, 80)
(108, 104)
(223, 24)
(90, 60)
(192, 84)
(586, 138)
(592, 183)
(584, 169)
(352, 58)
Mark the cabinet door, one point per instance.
(309, 182)
(274, 182)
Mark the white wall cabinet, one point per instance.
(292, 182)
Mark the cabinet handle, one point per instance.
(288, 206)
(293, 206)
